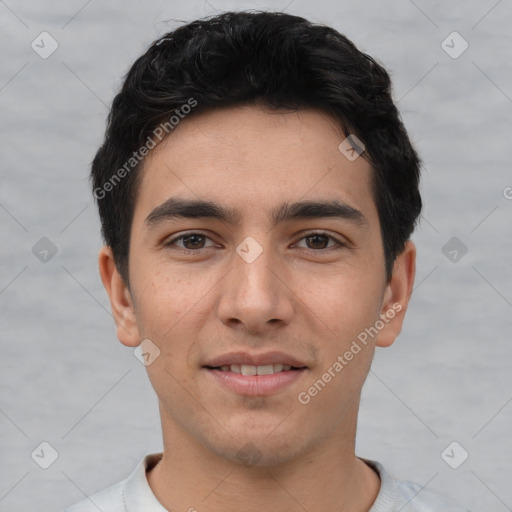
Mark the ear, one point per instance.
(120, 299)
(396, 296)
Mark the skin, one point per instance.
(306, 298)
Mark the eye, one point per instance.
(319, 240)
(192, 242)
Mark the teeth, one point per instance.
(265, 370)
(249, 369)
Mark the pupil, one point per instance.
(316, 237)
(193, 237)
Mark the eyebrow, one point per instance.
(175, 208)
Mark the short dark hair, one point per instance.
(273, 59)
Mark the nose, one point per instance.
(255, 295)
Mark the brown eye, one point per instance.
(191, 242)
(319, 241)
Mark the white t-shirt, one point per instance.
(135, 495)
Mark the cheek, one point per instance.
(163, 298)
(344, 304)
(165, 303)
(346, 350)
(170, 309)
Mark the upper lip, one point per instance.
(262, 359)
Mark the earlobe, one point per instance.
(397, 294)
(120, 299)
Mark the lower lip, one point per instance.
(256, 385)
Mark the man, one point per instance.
(257, 191)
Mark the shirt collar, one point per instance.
(137, 494)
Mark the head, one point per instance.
(233, 129)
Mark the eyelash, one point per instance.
(312, 233)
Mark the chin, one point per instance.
(260, 450)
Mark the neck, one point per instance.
(327, 476)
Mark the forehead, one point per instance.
(251, 160)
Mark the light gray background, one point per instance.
(65, 378)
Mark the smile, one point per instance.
(249, 369)
(250, 380)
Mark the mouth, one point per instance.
(249, 369)
(251, 364)
(255, 375)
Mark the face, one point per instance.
(246, 280)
